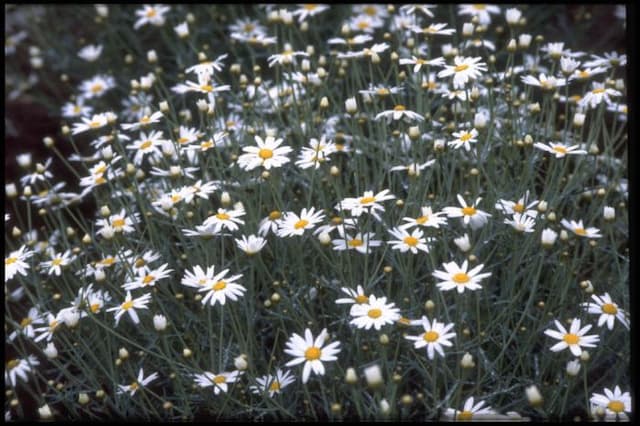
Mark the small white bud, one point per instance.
(609, 213)
(351, 377)
(564, 236)
(11, 190)
(467, 361)
(225, 198)
(467, 29)
(385, 408)
(83, 398)
(24, 160)
(479, 121)
(50, 351)
(512, 46)
(152, 56)
(542, 206)
(100, 276)
(240, 362)
(164, 106)
(578, 119)
(71, 318)
(513, 16)
(324, 238)
(159, 322)
(573, 367)
(524, 40)
(123, 353)
(463, 243)
(533, 395)
(549, 237)
(351, 106)
(373, 375)
(584, 356)
(45, 412)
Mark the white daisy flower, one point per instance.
(292, 224)
(463, 70)
(458, 277)
(251, 244)
(220, 287)
(220, 382)
(19, 368)
(436, 334)
(579, 229)
(140, 382)
(225, 218)
(267, 154)
(469, 411)
(15, 263)
(469, 213)
(427, 218)
(607, 309)
(574, 339)
(129, 306)
(399, 112)
(356, 296)
(405, 241)
(272, 384)
(374, 313)
(464, 139)
(148, 279)
(559, 149)
(616, 403)
(311, 352)
(521, 222)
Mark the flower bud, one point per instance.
(324, 102)
(351, 106)
(385, 408)
(609, 213)
(324, 238)
(463, 243)
(524, 41)
(83, 398)
(45, 412)
(159, 322)
(467, 361)
(351, 377)
(479, 121)
(578, 119)
(533, 396)
(513, 16)
(240, 362)
(511, 47)
(152, 56)
(11, 190)
(50, 351)
(123, 353)
(373, 375)
(549, 237)
(573, 367)
(467, 29)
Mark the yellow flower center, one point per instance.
(175, 198)
(312, 353)
(461, 278)
(220, 285)
(107, 261)
(383, 91)
(151, 13)
(374, 313)
(518, 208)
(183, 139)
(465, 416)
(609, 308)
(367, 200)
(422, 220)
(146, 144)
(275, 386)
(206, 145)
(145, 120)
(461, 68)
(10, 260)
(219, 380)
(616, 406)
(580, 231)
(148, 279)
(13, 364)
(127, 305)
(369, 10)
(25, 322)
(363, 25)
(118, 223)
(468, 211)
(399, 108)
(248, 27)
(95, 124)
(95, 307)
(479, 6)
(597, 91)
(265, 153)
(560, 149)
(275, 215)
(202, 281)
(361, 298)
(206, 87)
(355, 242)
(96, 88)
(430, 336)
(583, 74)
(410, 241)
(301, 224)
(134, 386)
(466, 136)
(571, 339)
(56, 262)
(223, 216)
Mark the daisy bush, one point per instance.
(316, 212)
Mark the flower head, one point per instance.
(311, 352)
(436, 334)
(374, 313)
(574, 339)
(607, 309)
(458, 277)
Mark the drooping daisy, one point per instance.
(607, 309)
(287, 56)
(206, 86)
(267, 154)
(356, 296)
(270, 223)
(521, 222)
(15, 263)
(97, 121)
(148, 279)
(145, 120)
(225, 218)
(76, 108)
(427, 218)
(458, 277)
(544, 82)
(221, 287)
(469, 411)
(464, 70)
(405, 241)
(464, 139)
(399, 112)
(292, 224)
(251, 244)
(616, 403)
(362, 242)
(306, 10)
(129, 306)
(469, 213)
(436, 334)
(220, 381)
(208, 67)
(579, 229)
(52, 324)
(574, 339)
(19, 368)
(597, 94)
(418, 63)
(433, 29)
(311, 352)
(140, 382)
(367, 203)
(376, 312)
(316, 153)
(120, 222)
(34, 317)
(559, 149)
(272, 384)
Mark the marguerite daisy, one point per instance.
(436, 334)
(574, 339)
(458, 277)
(374, 313)
(311, 352)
